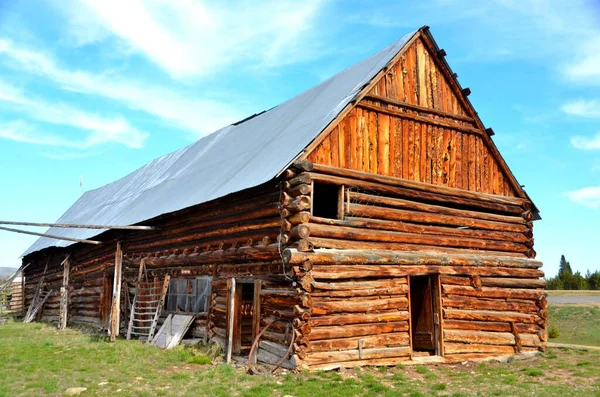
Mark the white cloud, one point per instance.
(201, 116)
(20, 131)
(586, 67)
(103, 129)
(589, 196)
(583, 108)
(585, 143)
(192, 38)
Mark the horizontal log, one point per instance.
(454, 348)
(335, 332)
(358, 234)
(363, 271)
(359, 363)
(421, 186)
(401, 289)
(464, 302)
(368, 341)
(321, 307)
(382, 224)
(394, 315)
(273, 348)
(357, 197)
(490, 326)
(489, 315)
(489, 338)
(513, 282)
(359, 285)
(269, 358)
(356, 354)
(383, 257)
(367, 211)
(398, 190)
(493, 292)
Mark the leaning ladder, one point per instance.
(146, 306)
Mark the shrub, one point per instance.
(199, 359)
(553, 332)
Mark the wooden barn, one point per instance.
(367, 221)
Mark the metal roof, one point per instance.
(232, 159)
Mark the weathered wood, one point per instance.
(368, 341)
(490, 326)
(493, 292)
(359, 318)
(115, 311)
(382, 257)
(350, 330)
(357, 305)
(64, 295)
(351, 233)
(489, 315)
(349, 355)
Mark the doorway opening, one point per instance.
(425, 315)
(245, 316)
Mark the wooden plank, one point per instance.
(421, 83)
(230, 315)
(64, 294)
(334, 146)
(372, 129)
(116, 300)
(383, 145)
(256, 309)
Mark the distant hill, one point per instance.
(6, 272)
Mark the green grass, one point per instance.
(576, 324)
(36, 359)
(563, 292)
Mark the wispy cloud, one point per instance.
(25, 132)
(103, 129)
(200, 116)
(583, 108)
(586, 66)
(585, 143)
(190, 38)
(589, 196)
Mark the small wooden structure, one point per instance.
(397, 232)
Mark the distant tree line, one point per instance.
(566, 279)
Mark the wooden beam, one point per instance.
(231, 312)
(395, 102)
(428, 120)
(116, 302)
(64, 294)
(52, 236)
(78, 226)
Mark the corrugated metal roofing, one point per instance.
(229, 160)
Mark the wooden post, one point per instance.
(23, 291)
(116, 301)
(64, 295)
(437, 313)
(231, 301)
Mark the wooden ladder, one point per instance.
(42, 297)
(146, 306)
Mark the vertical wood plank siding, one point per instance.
(414, 149)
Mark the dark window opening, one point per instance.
(326, 200)
(188, 295)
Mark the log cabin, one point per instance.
(369, 220)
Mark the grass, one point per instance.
(36, 359)
(39, 360)
(564, 292)
(576, 324)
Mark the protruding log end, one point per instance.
(302, 165)
(287, 255)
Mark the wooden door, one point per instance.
(422, 313)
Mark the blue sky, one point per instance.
(96, 88)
